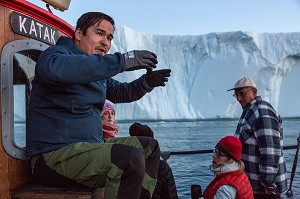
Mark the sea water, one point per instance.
(203, 135)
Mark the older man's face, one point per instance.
(245, 95)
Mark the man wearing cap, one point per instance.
(260, 131)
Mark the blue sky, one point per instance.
(192, 17)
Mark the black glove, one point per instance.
(158, 77)
(139, 59)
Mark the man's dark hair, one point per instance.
(91, 18)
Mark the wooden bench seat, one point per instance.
(42, 192)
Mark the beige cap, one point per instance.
(244, 82)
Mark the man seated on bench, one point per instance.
(72, 81)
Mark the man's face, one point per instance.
(97, 39)
(245, 95)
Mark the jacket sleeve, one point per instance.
(122, 92)
(267, 131)
(58, 65)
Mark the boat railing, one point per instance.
(167, 154)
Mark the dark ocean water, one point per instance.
(203, 135)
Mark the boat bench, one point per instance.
(36, 191)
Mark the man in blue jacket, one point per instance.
(64, 131)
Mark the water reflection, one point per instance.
(20, 115)
(20, 134)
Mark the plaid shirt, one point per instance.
(260, 131)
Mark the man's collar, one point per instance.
(254, 100)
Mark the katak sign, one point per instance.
(27, 26)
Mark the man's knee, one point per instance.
(150, 143)
(128, 158)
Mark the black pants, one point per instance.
(130, 180)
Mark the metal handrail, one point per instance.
(166, 154)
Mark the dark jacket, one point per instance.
(68, 92)
(165, 187)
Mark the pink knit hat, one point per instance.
(231, 146)
(107, 106)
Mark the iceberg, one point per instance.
(205, 66)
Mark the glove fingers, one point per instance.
(135, 60)
(163, 81)
(149, 62)
(165, 71)
(158, 77)
(166, 74)
(147, 55)
(162, 84)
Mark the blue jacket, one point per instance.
(68, 92)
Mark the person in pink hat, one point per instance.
(109, 126)
(230, 179)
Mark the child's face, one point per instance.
(109, 116)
